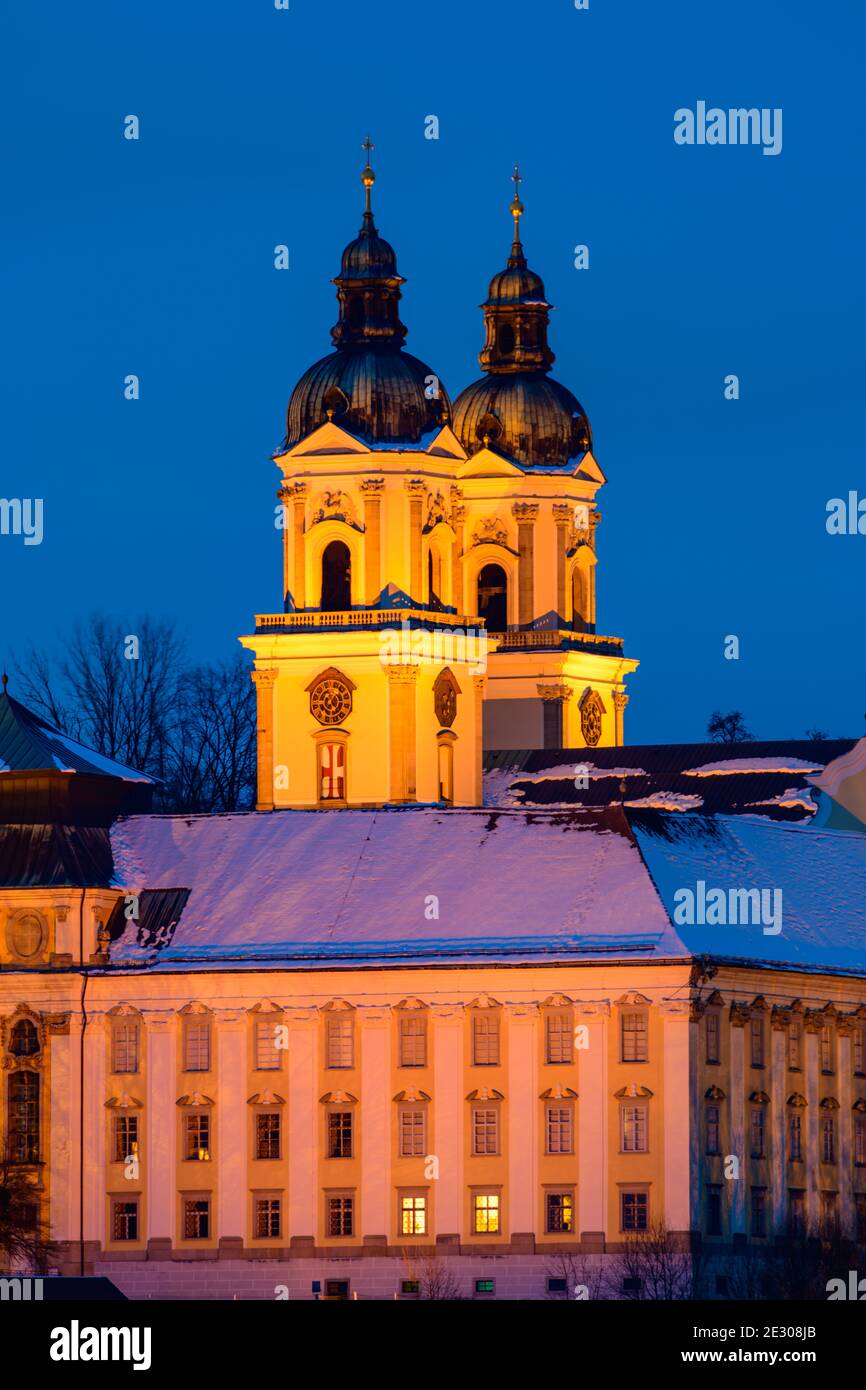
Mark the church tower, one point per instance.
(438, 565)
(370, 681)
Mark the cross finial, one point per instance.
(516, 205)
(368, 178)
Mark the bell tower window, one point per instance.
(505, 338)
(336, 578)
(357, 314)
(493, 597)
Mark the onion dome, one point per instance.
(516, 406)
(369, 385)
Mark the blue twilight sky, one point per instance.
(156, 258)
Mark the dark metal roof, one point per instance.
(159, 911)
(29, 743)
(657, 768)
(529, 417)
(378, 393)
(55, 856)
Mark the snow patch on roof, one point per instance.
(727, 765)
(794, 797)
(668, 801)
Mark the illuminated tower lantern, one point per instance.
(438, 571)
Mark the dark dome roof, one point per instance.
(517, 284)
(375, 392)
(525, 415)
(369, 257)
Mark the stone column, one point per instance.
(844, 1031)
(449, 1203)
(263, 680)
(372, 489)
(592, 1124)
(416, 489)
(777, 1155)
(523, 1107)
(812, 1027)
(61, 1216)
(375, 1040)
(563, 516)
(232, 1132)
(620, 700)
(299, 506)
(458, 517)
(553, 698)
(401, 731)
(739, 1022)
(160, 1115)
(679, 1044)
(94, 1130)
(479, 684)
(594, 521)
(301, 1146)
(526, 515)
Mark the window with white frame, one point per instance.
(125, 1137)
(196, 1044)
(485, 1038)
(413, 1040)
(634, 1037)
(341, 1040)
(559, 1129)
(268, 1054)
(413, 1131)
(485, 1129)
(559, 1036)
(124, 1045)
(634, 1128)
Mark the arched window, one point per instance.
(434, 578)
(25, 1039)
(505, 338)
(23, 1117)
(336, 578)
(493, 597)
(579, 614)
(446, 770)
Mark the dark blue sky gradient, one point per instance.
(156, 258)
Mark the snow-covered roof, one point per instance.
(316, 888)
(30, 743)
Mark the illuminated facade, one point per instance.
(313, 1052)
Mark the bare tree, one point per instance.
(580, 1272)
(428, 1270)
(655, 1264)
(24, 1243)
(212, 745)
(728, 728)
(816, 735)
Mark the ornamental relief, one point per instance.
(490, 530)
(435, 510)
(335, 505)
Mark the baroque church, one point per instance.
(431, 1011)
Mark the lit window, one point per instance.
(485, 1039)
(196, 1044)
(486, 1213)
(412, 1133)
(485, 1130)
(634, 1038)
(559, 1129)
(634, 1129)
(196, 1130)
(560, 1212)
(413, 1216)
(413, 1040)
(196, 1218)
(559, 1037)
(266, 1223)
(341, 1052)
(635, 1211)
(124, 1045)
(268, 1134)
(332, 784)
(125, 1137)
(268, 1056)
